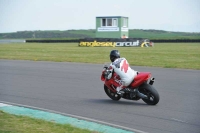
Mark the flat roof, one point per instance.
(111, 17)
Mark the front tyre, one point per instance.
(151, 93)
(111, 94)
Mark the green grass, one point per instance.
(166, 55)
(21, 124)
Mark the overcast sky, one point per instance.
(169, 15)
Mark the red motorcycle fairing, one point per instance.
(140, 78)
(111, 83)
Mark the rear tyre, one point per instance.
(151, 93)
(111, 94)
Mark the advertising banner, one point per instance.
(112, 42)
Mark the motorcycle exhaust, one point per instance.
(151, 81)
(140, 94)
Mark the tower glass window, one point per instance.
(103, 22)
(109, 22)
(125, 22)
(114, 22)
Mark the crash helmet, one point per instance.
(114, 54)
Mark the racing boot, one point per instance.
(120, 91)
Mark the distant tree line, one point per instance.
(79, 34)
(41, 34)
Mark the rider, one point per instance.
(121, 67)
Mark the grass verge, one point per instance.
(166, 55)
(22, 124)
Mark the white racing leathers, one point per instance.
(121, 67)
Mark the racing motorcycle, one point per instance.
(140, 88)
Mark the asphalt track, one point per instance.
(75, 88)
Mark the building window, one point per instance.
(103, 22)
(125, 24)
(114, 22)
(109, 22)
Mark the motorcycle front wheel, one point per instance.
(151, 93)
(111, 94)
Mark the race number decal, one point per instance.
(124, 66)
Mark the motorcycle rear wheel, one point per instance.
(151, 93)
(111, 94)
